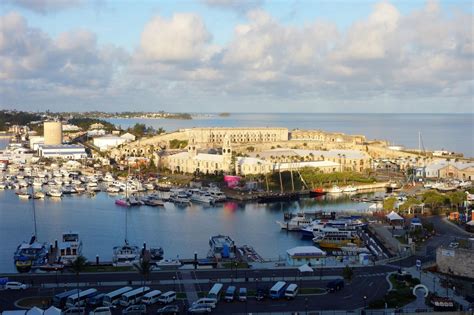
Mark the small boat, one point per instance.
(39, 195)
(156, 253)
(70, 248)
(23, 195)
(319, 191)
(51, 267)
(168, 263)
(55, 193)
(296, 223)
(122, 202)
(125, 255)
(334, 190)
(113, 189)
(349, 189)
(153, 202)
(149, 186)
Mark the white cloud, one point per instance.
(184, 37)
(45, 6)
(239, 6)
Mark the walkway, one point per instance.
(188, 285)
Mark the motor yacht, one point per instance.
(296, 223)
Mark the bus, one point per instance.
(215, 292)
(133, 296)
(113, 297)
(79, 299)
(278, 290)
(59, 299)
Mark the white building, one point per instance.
(301, 255)
(96, 132)
(35, 142)
(128, 136)
(108, 142)
(69, 127)
(65, 151)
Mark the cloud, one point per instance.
(183, 37)
(239, 6)
(30, 60)
(45, 6)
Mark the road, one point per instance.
(368, 281)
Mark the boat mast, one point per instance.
(33, 205)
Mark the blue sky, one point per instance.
(342, 56)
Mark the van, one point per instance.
(151, 297)
(243, 294)
(291, 291)
(229, 293)
(335, 285)
(206, 301)
(167, 297)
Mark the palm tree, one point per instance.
(78, 265)
(144, 268)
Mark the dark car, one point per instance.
(335, 285)
(261, 294)
(169, 309)
(97, 299)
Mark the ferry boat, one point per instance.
(125, 255)
(333, 238)
(30, 254)
(341, 224)
(296, 223)
(70, 248)
(221, 245)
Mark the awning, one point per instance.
(305, 268)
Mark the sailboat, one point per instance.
(126, 254)
(31, 254)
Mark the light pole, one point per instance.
(365, 302)
(174, 283)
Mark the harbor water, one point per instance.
(453, 132)
(179, 230)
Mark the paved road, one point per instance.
(369, 281)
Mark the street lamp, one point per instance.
(365, 302)
(174, 283)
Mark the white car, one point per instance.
(13, 285)
(103, 310)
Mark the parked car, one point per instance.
(167, 297)
(206, 301)
(13, 285)
(261, 294)
(103, 310)
(135, 310)
(335, 285)
(169, 309)
(199, 309)
(243, 294)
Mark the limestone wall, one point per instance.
(458, 262)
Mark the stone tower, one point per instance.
(192, 149)
(227, 151)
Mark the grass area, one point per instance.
(312, 291)
(38, 301)
(400, 295)
(93, 268)
(233, 265)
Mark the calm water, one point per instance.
(453, 132)
(180, 231)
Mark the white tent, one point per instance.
(305, 268)
(52, 311)
(470, 223)
(393, 216)
(35, 311)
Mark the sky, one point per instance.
(352, 56)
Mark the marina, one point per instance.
(180, 230)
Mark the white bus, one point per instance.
(278, 290)
(113, 297)
(133, 296)
(80, 298)
(215, 292)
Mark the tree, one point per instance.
(78, 265)
(389, 203)
(348, 273)
(457, 198)
(144, 268)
